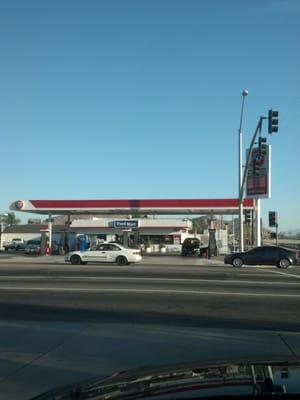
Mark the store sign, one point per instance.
(126, 224)
(258, 180)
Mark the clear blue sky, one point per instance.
(141, 99)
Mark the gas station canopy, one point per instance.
(135, 206)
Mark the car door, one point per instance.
(113, 252)
(264, 255)
(271, 255)
(102, 252)
(97, 253)
(254, 256)
(89, 255)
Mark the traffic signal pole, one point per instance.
(273, 222)
(241, 226)
(272, 127)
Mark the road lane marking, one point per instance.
(285, 274)
(126, 290)
(124, 278)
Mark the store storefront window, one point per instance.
(157, 239)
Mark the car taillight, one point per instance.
(136, 253)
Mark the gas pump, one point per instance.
(44, 241)
(212, 243)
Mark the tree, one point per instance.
(11, 219)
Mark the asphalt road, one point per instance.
(206, 296)
(61, 323)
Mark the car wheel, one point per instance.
(121, 260)
(284, 263)
(75, 260)
(237, 262)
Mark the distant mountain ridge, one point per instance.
(291, 232)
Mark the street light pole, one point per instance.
(240, 183)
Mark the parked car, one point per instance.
(15, 244)
(33, 247)
(193, 246)
(105, 252)
(264, 255)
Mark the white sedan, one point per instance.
(106, 252)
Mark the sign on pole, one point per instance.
(258, 183)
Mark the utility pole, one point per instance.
(240, 183)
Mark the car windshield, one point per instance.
(149, 208)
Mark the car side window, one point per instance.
(113, 247)
(95, 248)
(99, 247)
(271, 250)
(257, 250)
(103, 247)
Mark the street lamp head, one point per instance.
(245, 92)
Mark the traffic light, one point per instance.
(273, 121)
(272, 218)
(262, 144)
(247, 216)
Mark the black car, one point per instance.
(192, 246)
(264, 255)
